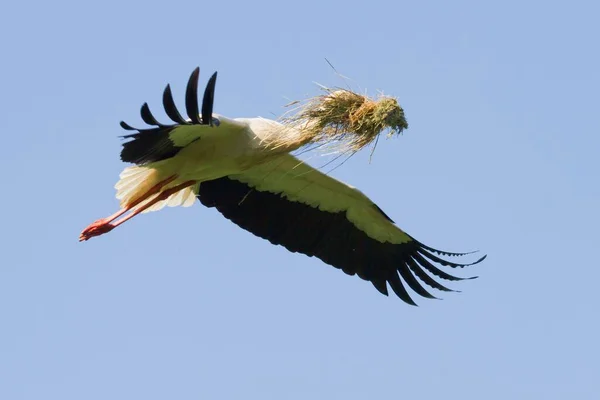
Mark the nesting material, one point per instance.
(351, 119)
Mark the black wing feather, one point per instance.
(154, 144)
(435, 270)
(127, 127)
(147, 116)
(171, 108)
(446, 263)
(398, 288)
(412, 282)
(422, 275)
(191, 97)
(208, 100)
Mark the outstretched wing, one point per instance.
(156, 144)
(294, 205)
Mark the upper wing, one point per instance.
(159, 143)
(294, 205)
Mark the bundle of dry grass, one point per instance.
(343, 116)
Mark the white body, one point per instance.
(240, 148)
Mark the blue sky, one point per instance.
(501, 155)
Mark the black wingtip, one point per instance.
(126, 126)
(380, 285)
(480, 260)
(447, 263)
(147, 116)
(171, 108)
(444, 252)
(399, 289)
(208, 100)
(421, 260)
(424, 277)
(191, 97)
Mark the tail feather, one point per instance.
(184, 198)
(136, 180)
(133, 182)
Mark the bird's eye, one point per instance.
(216, 121)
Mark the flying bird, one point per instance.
(232, 165)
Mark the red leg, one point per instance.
(100, 229)
(102, 225)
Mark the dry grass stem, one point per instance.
(341, 116)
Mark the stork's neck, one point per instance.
(276, 136)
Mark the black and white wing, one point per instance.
(289, 203)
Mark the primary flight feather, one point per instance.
(244, 169)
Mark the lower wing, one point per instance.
(289, 203)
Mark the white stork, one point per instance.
(226, 165)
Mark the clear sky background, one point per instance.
(502, 155)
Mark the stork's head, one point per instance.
(222, 122)
(207, 117)
(216, 120)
